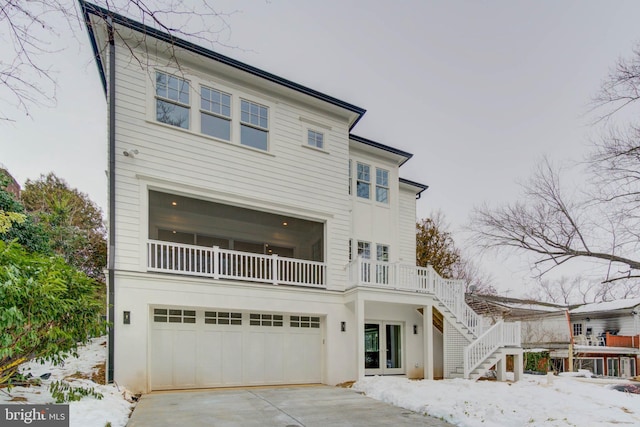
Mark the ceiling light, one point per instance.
(285, 224)
(174, 203)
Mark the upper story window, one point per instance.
(364, 249)
(254, 125)
(315, 139)
(577, 329)
(363, 184)
(382, 253)
(215, 113)
(382, 185)
(172, 100)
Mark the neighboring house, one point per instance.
(255, 240)
(602, 337)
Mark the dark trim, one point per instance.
(92, 9)
(94, 46)
(112, 199)
(422, 187)
(387, 148)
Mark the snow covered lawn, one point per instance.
(113, 408)
(565, 401)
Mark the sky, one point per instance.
(478, 91)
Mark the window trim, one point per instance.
(221, 116)
(254, 126)
(177, 102)
(381, 186)
(358, 180)
(315, 133)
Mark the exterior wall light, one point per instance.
(343, 326)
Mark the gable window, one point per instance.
(172, 100)
(254, 125)
(363, 184)
(215, 113)
(382, 185)
(315, 139)
(577, 329)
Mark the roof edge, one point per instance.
(92, 9)
(380, 146)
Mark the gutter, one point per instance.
(112, 196)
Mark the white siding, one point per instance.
(372, 221)
(407, 226)
(454, 344)
(290, 179)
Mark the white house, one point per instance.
(254, 239)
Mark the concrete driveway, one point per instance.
(291, 406)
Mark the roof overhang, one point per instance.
(415, 186)
(398, 156)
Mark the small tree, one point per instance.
(72, 221)
(435, 245)
(47, 308)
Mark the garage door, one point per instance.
(211, 348)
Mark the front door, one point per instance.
(383, 348)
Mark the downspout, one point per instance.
(112, 195)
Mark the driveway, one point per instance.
(291, 406)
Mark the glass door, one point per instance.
(383, 348)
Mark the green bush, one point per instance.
(47, 308)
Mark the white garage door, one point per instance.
(207, 348)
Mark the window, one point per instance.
(215, 113)
(595, 365)
(364, 249)
(172, 100)
(256, 319)
(382, 253)
(222, 318)
(162, 315)
(577, 329)
(382, 270)
(254, 125)
(612, 367)
(382, 186)
(364, 181)
(315, 139)
(304, 322)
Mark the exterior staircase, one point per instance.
(488, 344)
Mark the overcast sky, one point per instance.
(478, 91)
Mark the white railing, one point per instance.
(499, 335)
(169, 257)
(364, 272)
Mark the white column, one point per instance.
(517, 366)
(501, 368)
(427, 326)
(359, 315)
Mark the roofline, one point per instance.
(422, 187)
(92, 9)
(387, 148)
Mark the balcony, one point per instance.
(608, 340)
(217, 263)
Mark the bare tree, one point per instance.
(30, 29)
(476, 280)
(601, 223)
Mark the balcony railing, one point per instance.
(608, 340)
(499, 335)
(364, 272)
(217, 263)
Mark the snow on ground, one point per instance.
(88, 412)
(534, 401)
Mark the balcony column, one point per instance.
(518, 368)
(359, 315)
(427, 326)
